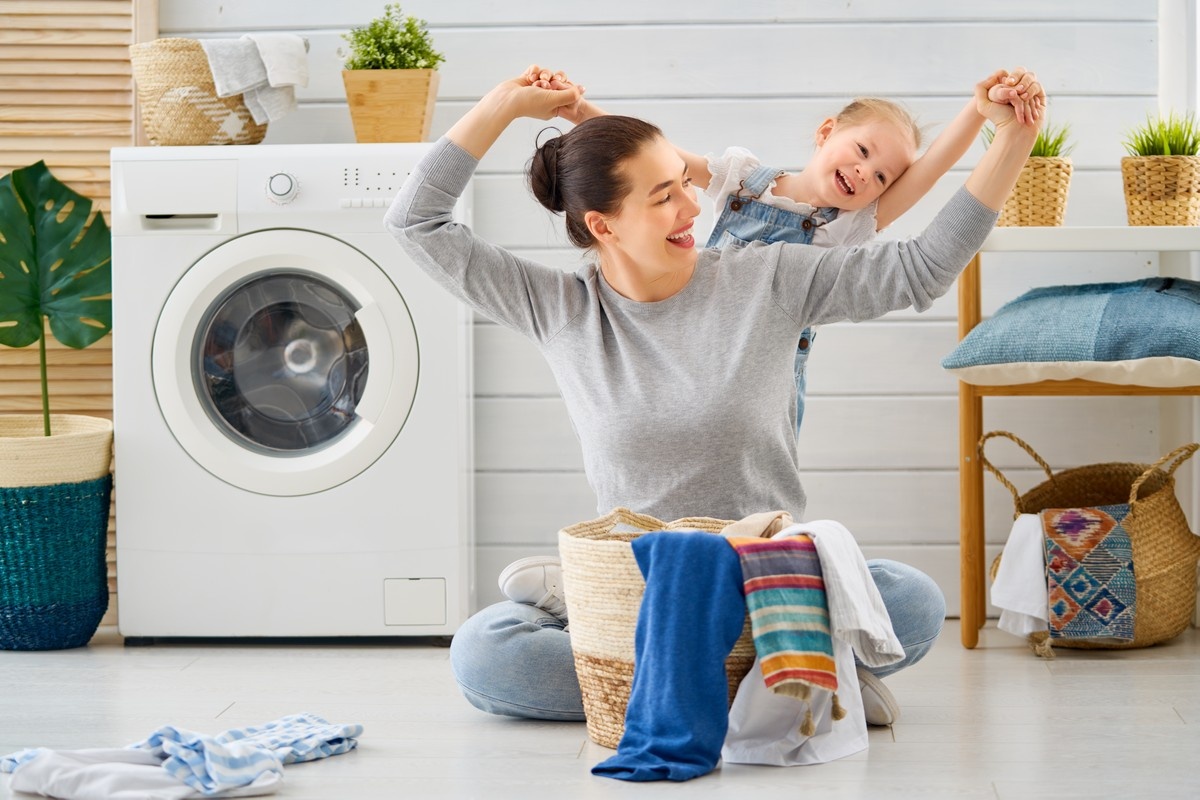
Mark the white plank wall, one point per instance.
(879, 445)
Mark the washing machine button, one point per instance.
(282, 188)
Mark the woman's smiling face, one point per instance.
(653, 227)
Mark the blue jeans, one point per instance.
(515, 660)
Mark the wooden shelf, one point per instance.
(1176, 241)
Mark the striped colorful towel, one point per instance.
(789, 614)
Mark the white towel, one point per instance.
(1019, 590)
(264, 68)
(857, 614)
(235, 64)
(117, 774)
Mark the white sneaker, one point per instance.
(879, 704)
(535, 581)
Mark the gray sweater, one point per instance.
(685, 406)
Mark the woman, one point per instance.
(675, 363)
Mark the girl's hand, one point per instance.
(1006, 97)
(530, 95)
(550, 79)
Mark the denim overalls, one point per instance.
(746, 219)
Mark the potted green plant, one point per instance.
(391, 78)
(55, 482)
(1040, 195)
(1161, 174)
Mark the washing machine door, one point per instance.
(285, 362)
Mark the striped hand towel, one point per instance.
(789, 615)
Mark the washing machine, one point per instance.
(291, 400)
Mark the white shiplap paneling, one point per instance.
(880, 441)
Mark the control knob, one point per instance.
(282, 188)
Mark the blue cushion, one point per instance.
(1140, 332)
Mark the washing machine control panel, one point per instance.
(282, 188)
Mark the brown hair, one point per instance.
(870, 109)
(581, 170)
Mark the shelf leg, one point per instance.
(971, 550)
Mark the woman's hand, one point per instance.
(574, 113)
(478, 129)
(1005, 97)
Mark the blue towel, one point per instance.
(691, 615)
(211, 764)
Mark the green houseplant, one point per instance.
(391, 78)
(1040, 195)
(55, 267)
(1161, 174)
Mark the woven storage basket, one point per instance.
(54, 504)
(179, 102)
(1040, 196)
(603, 588)
(1162, 190)
(1165, 551)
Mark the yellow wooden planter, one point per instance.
(391, 105)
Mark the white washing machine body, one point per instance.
(291, 400)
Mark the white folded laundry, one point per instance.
(264, 68)
(1019, 590)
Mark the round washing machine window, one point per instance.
(285, 362)
(281, 362)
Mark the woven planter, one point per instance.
(1162, 190)
(1040, 197)
(54, 504)
(391, 105)
(603, 588)
(1165, 551)
(178, 101)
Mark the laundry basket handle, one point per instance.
(1000, 475)
(1178, 456)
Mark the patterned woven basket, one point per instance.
(1040, 196)
(1162, 190)
(1165, 551)
(603, 588)
(54, 504)
(179, 102)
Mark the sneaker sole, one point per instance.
(523, 563)
(882, 700)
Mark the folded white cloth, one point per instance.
(264, 68)
(1019, 590)
(857, 614)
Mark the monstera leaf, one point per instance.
(53, 265)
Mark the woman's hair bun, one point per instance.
(543, 174)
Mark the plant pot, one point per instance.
(54, 505)
(1040, 195)
(1162, 190)
(391, 105)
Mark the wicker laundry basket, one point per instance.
(1161, 190)
(179, 103)
(1039, 197)
(1165, 551)
(603, 588)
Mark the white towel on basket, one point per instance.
(265, 68)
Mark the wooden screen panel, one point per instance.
(66, 97)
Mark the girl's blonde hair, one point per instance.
(870, 109)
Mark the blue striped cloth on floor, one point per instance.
(210, 764)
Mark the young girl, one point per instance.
(653, 344)
(862, 177)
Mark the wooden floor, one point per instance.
(996, 722)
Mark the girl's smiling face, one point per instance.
(855, 164)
